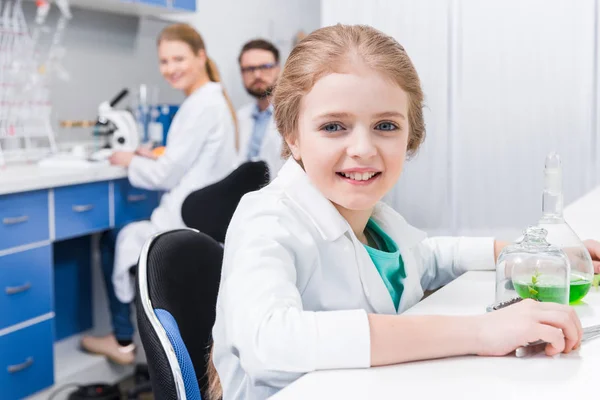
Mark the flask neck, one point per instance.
(535, 237)
(552, 198)
(552, 205)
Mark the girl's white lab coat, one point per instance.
(200, 150)
(270, 150)
(297, 285)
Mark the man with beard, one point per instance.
(259, 139)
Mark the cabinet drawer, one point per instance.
(133, 204)
(23, 218)
(26, 361)
(81, 209)
(25, 285)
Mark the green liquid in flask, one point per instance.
(579, 288)
(548, 292)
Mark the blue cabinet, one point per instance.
(45, 270)
(26, 285)
(72, 287)
(157, 8)
(26, 361)
(132, 204)
(187, 5)
(23, 218)
(81, 209)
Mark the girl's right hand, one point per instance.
(503, 331)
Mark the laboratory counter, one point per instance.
(28, 177)
(50, 221)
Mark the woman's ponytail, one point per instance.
(215, 76)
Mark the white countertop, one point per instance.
(466, 378)
(22, 178)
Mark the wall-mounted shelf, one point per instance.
(138, 7)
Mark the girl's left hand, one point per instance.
(121, 158)
(593, 247)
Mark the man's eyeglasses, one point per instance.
(261, 68)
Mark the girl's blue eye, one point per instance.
(386, 126)
(332, 128)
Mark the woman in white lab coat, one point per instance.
(200, 150)
(317, 270)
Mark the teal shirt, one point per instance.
(387, 260)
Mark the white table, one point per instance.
(465, 378)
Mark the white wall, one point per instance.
(226, 25)
(506, 82)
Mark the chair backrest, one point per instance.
(210, 209)
(178, 281)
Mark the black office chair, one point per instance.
(177, 281)
(198, 256)
(210, 209)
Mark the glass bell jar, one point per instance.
(533, 268)
(561, 234)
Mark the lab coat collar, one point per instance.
(395, 225)
(326, 218)
(208, 87)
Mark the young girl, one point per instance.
(317, 271)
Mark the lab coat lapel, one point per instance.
(406, 237)
(245, 125)
(316, 207)
(375, 290)
(271, 148)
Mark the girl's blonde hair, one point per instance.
(187, 34)
(329, 50)
(333, 49)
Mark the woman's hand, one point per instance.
(121, 158)
(593, 247)
(503, 331)
(145, 152)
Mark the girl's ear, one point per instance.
(292, 142)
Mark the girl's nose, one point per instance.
(361, 144)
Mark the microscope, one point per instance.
(117, 127)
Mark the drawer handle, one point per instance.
(83, 208)
(135, 198)
(20, 367)
(18, 289)
(15, 220)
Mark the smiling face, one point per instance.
(352, 137)
(179, 65)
